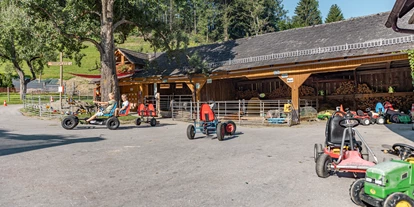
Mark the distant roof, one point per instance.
(353, 37)
(134, 57)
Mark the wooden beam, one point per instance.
(298, 80)
(197, 90)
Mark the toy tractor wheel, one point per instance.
(394, 118)
(112, 123)
(230, 128)
(317, 150)
(322, 165)
(138, 121)
(69, 122)
(153, 122)
(365, 121)
(355, 191)
(221, 131)
(380, 120)
(190, 132)
(398, 199)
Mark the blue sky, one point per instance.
(350, 8)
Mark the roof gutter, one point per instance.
(401, 8)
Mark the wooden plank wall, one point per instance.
(219, 90)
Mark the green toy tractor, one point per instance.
(388, 184)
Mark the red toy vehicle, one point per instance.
(146, 115)
(342, 153)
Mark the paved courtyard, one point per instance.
(41, 164)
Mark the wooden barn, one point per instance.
(354, 62)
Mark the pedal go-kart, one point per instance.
(342, 153)
(209, 124)
(146, 115)
(389, 183)
(109, 120)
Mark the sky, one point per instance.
(350, 8)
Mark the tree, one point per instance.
(24, 41)
(334, 15)
(307, 13)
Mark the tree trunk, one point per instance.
(23, 83)
(109, 80)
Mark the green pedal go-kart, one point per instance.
(388, 184)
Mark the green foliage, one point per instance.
(411, 60)
(307, 13)
(197, 65)
(334, 15)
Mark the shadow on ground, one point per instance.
(404, 130)
(17, 143)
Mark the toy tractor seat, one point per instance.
(206, 114)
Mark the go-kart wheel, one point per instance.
(380, 120)
(153, 122)
(112, 123)
(69, 122)
(365, 121)
(355, 191)
(317, 150)
(398, 199)
(322, 165)
(138, 121)
(394, 118)
(190, 132)
(230, 128)
(221, 131)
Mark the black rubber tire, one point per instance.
(112, 123)
(395, 198)
(317, 151)
(394, 118)
(355, 190)
(69, 122)
(138, 121)
(365, 121)
(232, 125)
(153, 122)
(380, 120)
(221, 131)
(321, 167)
(190, 132)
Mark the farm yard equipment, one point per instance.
(146, 115)
(109, 120)
(395, 116)
(209, 124)
(342, 153)
(388, 183)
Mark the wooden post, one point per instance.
(199, 85)
(61, 64)
(294, 82)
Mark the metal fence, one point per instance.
(242, 111)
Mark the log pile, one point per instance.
(306, 91)
(248, 94)
(345, 88)
(281, 92)
(364, 89)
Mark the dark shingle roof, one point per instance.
(356, 30)
(134, 57)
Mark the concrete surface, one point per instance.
(41, 164)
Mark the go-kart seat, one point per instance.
(334, 131)
(360, 113)
(126, 110)
(111, 113)
(206, 114)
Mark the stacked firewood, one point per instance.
(281, 92)
(306, 91)
(248, 94)
(345, 88)
(363, 89)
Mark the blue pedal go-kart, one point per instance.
(209, 124)
(111, 121)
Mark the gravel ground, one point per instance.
(41, 164)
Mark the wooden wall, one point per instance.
(219, 90)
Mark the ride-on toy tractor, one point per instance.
(209, 124)
(342, 153)
(111, 121)
(389, 183)
(146, 115)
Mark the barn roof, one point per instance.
(134, 57)
(353, 37)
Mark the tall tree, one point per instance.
(307, 13)
(24, 42)
(335, 14)
(96, 21)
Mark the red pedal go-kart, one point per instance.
(209, 124)
(146, 115)
(342, 153)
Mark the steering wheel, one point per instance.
(403, 150)
(349, 122)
